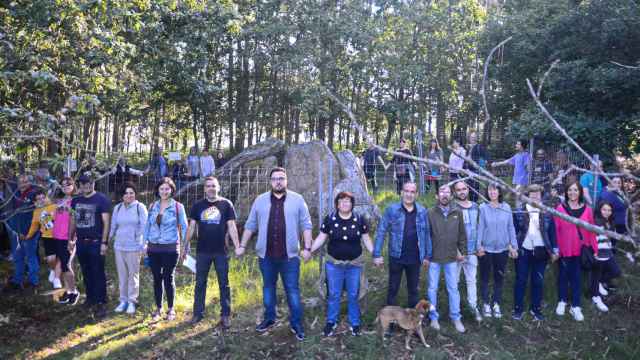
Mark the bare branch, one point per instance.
(625, 66)
(484, 78)
(546, 74)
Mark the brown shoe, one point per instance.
(224, 322)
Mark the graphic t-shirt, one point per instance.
(88, 215)
(212, 220)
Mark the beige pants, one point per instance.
(128, 266)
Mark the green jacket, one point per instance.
(448, 235)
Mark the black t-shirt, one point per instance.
(410, 252)
(370, 156)
(344, 235)
(88, 215)
(212, 220)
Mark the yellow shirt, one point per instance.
(43, 218)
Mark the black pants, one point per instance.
(400, 180)
(603, 272)
(203, 265)
(492, 264)
(163, 267)
(412, 272)
(93, 273)
(371, 180)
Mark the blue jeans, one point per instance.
(26, 250)
(289, 271)
(527, 264)
(92, 265)
(570, 276)
(339, 277)
(451, 280)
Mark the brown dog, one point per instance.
(408, 319)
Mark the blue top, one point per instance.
(587, 181)
(520, 162)
(167, 231)
(495, 229)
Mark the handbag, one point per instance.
(587, 257)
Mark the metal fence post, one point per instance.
(420, 165)
(320, 210)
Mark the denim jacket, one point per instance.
(471, 227)
(392, 222)
(547, 229)
(167, 232)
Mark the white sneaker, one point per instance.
(459, 327)
(576, 312)
(599, 304)
(486, 309)
(561, 308)
(121, 307)
(496, 311)
(476, 314)
(52, 275)
(602, 290)
(56, 283)
(131, 308)
(435, 325)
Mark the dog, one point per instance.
(408, 319)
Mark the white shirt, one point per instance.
(207, 165)
(534, 237)
(456, 162)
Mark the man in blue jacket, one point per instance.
(407, 226)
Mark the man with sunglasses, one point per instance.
(90, 222)
(278, 217)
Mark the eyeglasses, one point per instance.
(278, 178)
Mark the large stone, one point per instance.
(312, 171)
(354, 181)
(254, 177)
(266, 149)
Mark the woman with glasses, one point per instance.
(60, 233)
(164, 235)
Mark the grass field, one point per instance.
(33, 327)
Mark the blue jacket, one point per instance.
(547, 229)
(392, 223)
(167, 231)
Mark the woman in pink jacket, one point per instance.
(570, 239)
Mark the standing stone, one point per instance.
(354, 181)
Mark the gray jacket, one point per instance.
(127, 226)
(495, 228)
(296, 219)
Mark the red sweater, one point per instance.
(567, 234)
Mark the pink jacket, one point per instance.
(567, 234)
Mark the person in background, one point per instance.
(542, 170)
(220, 160)
(521, 163)
(404, 168)
(127, 228)
(21, 208)
(178, 173)
(207, 165)
(592, 184)
(158, 165)
(456, 159)
(480, 156)
(193, 164)
(614, 195)
(370, 157)
(164, 236)
(435, 171)
(496, 243)
(563, 173)
(122, 173)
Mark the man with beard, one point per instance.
(469, 265)
(279, 216)
(448, 247)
